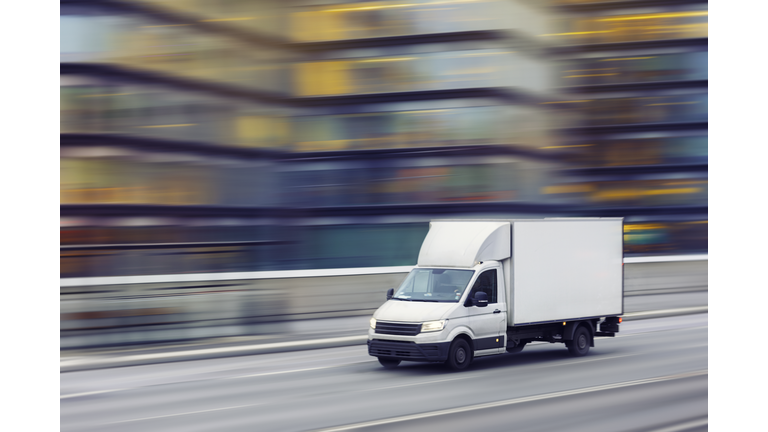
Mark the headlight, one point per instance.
(431, 326)
(373, 323)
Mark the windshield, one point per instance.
(434, 285)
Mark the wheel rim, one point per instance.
(461, 355)
(582, 341)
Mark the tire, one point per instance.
(579, 346)
(517, 348)
(459, 355)
(389, 363)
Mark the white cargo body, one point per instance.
(555, 269)
(485, 287)
(565, 269)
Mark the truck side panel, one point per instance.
(566, 269)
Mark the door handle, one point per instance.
(497, 311)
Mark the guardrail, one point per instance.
(287, 274)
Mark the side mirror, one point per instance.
(480, 300)
(390, 293)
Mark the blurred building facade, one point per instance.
(222, 135)
(636, 76)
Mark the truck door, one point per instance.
(488, 323)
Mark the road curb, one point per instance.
(102, 362)
(631, 316)
(106, 361)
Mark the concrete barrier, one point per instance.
(665, 277)
(97, 312)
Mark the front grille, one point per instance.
(379, 348)
(383, 327)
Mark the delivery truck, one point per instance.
(488, 287)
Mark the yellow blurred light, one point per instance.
(685, 182)
(616, 194)
(591, 75)
(671, 191)
(568, 146)
(628, 58)
(559, 102)
(674, 103)
(400, 5)
(671, 26)
(361, 8)
(575, 188)
(165, 25)
(165, 126)
(640, 227)
(652, 16)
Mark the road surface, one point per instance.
(652, 377)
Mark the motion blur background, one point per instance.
(214, 140)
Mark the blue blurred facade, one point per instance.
(217, 136)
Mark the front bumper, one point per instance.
(410, 351)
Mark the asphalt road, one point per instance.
(653, 377)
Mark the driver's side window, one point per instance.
(486, 283)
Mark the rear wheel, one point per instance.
(389, 363)
(579, 346)
(459, 355)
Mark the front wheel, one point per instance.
(579, 346)
(459, 355)
(389, 363)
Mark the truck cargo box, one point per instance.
(554, 269)
(565, 269)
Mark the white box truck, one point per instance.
(485, 287)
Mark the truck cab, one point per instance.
(435, 306)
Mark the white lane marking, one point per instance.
(515, 401)
(522, 369)
(182, 414)
(298, 370)
(416, 383)
(573, 362)
(74, 395)
(684, 426)
(567, 363)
